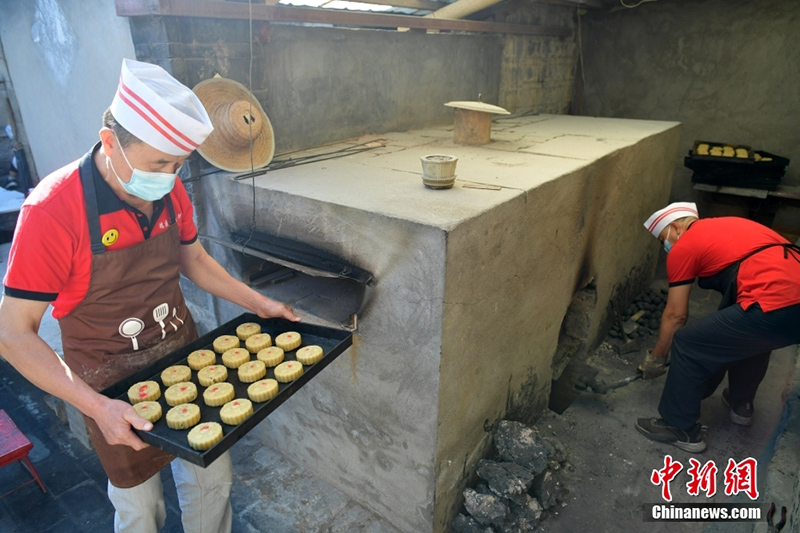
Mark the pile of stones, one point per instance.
(518, 486)
(642, 317)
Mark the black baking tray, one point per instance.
(718, 158)
(761, 182)
(777, 162)
(332, 341)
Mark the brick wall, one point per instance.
(320, 84)
(324, 84)
(537, 74)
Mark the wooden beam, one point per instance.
(279, 13)
(426, 5)
(461, 8)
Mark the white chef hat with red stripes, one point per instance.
(159, 110)
(659, 220)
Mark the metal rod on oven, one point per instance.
(311, 271)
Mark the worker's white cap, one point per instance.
(159, 110)
(659, 220)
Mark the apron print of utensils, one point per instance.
(176, 317)
(159, 314)
(130, 328)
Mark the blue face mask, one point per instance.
(148, 186)
(667, 244)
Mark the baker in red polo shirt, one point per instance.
(758, 273)
(105, 240)
(56, 265)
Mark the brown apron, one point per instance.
(133, 314)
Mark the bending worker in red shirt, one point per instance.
(758, 273)
(105, 239)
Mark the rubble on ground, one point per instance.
(642, 317)
(518, 486)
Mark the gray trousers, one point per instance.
(203, 494)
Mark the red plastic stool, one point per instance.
(14, 446)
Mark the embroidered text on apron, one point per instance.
(133, 314)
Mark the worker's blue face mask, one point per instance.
(667, 244)
(148, 186)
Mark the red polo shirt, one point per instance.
(712, 244)
(50, 257)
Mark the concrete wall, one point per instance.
(726, 69)
(537, 74)
(63, 59)
(319, 85)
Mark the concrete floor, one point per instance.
(607, 477)
(611, 463)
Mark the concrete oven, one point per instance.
(464, 323)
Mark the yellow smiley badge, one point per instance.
(110, 237)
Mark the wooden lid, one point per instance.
(478, 106)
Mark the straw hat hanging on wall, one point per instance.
(237, 117)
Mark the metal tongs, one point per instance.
(589, 383)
